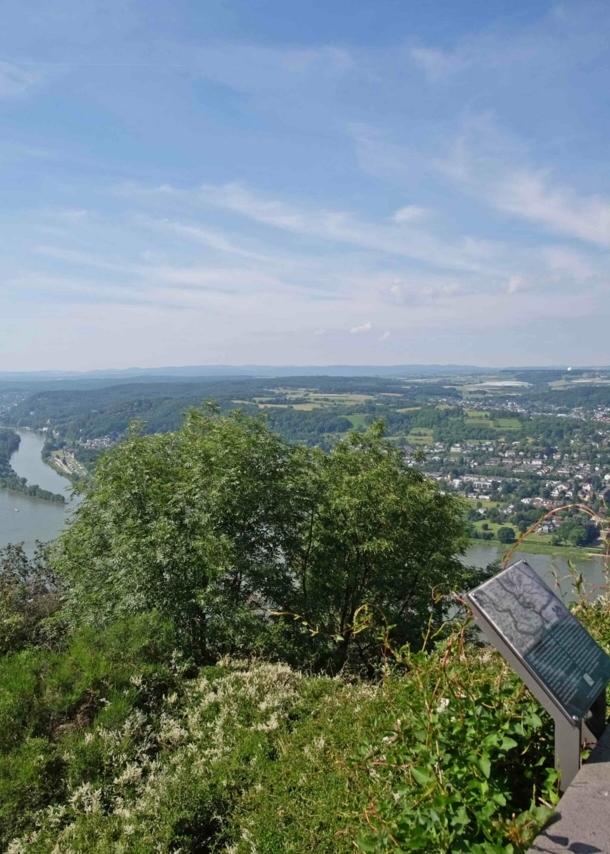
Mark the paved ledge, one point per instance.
(582, 825)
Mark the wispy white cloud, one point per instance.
(395, 238)
(566, 261)
(493, 166)
(438, 64)
(366, 327)
(410, 213)
(205, 236)
(531, 195)
(17, 80)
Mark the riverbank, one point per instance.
(534, 548)
(10, 444)
(25, 518)
(66, 465)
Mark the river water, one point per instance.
(553, 569)
(25, 519)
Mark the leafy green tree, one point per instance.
(578, 531)
(420, 455)
(229, 531)
(506, 534)
(375, 533)
(181, 523)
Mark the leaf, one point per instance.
(366, 845)
(421, 776)
(485, 766)
(508, 743)
(460, 818)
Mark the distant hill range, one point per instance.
(271, 371)
(247, 371)
(91, 379)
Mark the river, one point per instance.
(24, 518)
(553, 569)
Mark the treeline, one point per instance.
(82, 414)
(317, 427)
(585, 396)
(9, 479)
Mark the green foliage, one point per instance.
(375, 533)
(506, 534)
(49, 699)
(455, 763)
(223, 544)
(578, 531)
(29, 597)
(179, 522)
(231, 533)
(445, 756)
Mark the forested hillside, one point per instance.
(243, 645)
(80, 415)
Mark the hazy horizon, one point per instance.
(334, 183)
(228, 371)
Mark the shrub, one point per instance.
(50, 699)
(257, 757)
(29, 597)
(506, 534)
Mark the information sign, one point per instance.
(549, 641)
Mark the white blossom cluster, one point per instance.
(149, 757)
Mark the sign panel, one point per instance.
(549, 640)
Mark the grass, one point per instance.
(506, 423)
(491, 526)
(472, 502)
(536, 547)
(420, 436)
(357, 420)
(535, 543)
(274, 406)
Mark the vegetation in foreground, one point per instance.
(158, 692)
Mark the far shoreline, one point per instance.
(542, 548)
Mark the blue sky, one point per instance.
(265, 182)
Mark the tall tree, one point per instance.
(223, 527)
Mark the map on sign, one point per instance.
(546, 636)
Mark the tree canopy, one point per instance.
(245, 541)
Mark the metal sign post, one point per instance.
(558, 660)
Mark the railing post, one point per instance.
(568, 743)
